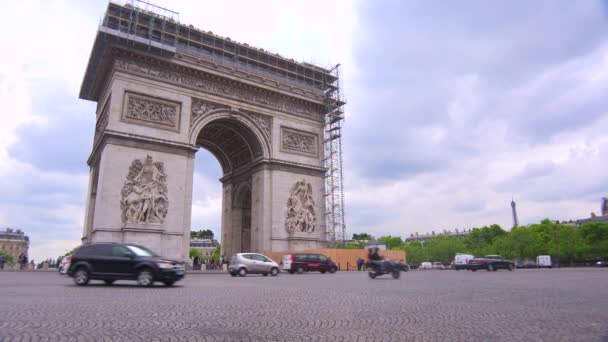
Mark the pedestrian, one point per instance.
(20, 261)
(2, 261)
(359, 263)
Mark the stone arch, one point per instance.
(242, 124)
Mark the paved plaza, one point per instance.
(524, 305)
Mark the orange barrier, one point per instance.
(343, 257)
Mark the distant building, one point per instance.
(594, 217)
(205, 246)
(14, 242)
(423, 237)
(514, 213)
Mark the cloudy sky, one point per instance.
(453, 108)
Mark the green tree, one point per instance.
(194, 253)
(594, 236)
(443, 248)
(7, 256)
(391, 242)
(216, 253)
(362, 236)
(415, 252)
(479, 241)
(353, 246)
(202, 234)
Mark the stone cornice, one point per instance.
(141, 142)
(278, 165)
(205, 81)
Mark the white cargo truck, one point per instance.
(544, 261)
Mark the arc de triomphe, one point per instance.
(163, 90)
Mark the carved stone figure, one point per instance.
(223, 87)
(300, 209)
(144, 194)
(147, 110)
(297, 141)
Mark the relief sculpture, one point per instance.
(301, 209)
(144, 195)
(296, 141)
(220, 86)
(152, 111)
(200, 108)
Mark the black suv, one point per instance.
(117, 261)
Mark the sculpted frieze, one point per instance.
(223, 87)
(144, 197)
(201, 108)
(147, 110)
(301, 209)
(264, 122)
(299, 142)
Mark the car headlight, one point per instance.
(164, 265)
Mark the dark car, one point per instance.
(601, 264)
(116, 261)
(525, 264)
(490, 263)
(306, 262)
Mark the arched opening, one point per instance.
(236, 147)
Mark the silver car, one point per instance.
(243, 263)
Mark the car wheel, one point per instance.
(372, 275)
(274, 271)
(242, 272)
(510, 267)
(396, 274)
(490, 267)
(300, 270)
(169, 283)
(81, 276)
(145, 277)
(109, 282)
(332, 270)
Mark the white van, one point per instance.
(544, 261)
(426, 265)
(461, 261)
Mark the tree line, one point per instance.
(567, 244)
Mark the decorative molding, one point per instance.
(151, 111)
(201, 107)
(102, 121)
(263, 121)
(144, 199)
(216, 85)
(300, 209)
(299, 142)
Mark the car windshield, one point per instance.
(141, 251)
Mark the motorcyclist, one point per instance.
(375, 260)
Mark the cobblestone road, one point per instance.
(528, 305)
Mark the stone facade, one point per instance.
(14, 242)
(155, 113)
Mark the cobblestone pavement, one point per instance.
(524, 305)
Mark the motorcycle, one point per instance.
(381, 267)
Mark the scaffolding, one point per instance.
(141, 22)
(334, 187)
